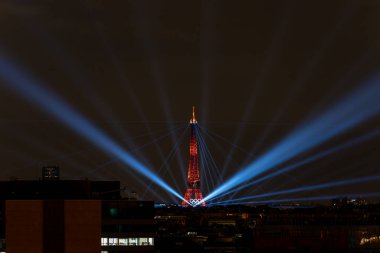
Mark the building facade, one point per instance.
(69, 216)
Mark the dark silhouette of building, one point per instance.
(128, 226)
(350, 228)
(59, 216)
(62, 216)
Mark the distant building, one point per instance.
(127, 226)
(59, 216)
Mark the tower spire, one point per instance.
(193, 120)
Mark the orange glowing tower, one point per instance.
(193, 195)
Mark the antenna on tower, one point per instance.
(193, 119)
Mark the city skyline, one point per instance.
(255, 70)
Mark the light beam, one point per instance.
(303, 199)
(17, 80)
(309, 188)
(355, 108)
(307, 160)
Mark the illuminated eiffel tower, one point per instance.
(193, 194)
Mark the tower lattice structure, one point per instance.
(193, 194)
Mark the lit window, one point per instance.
(133, 241)
(144, 241)
(104, 241)
(123, 241)
(113, 241)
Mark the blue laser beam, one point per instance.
(165, 163)
(308, 70)
(115, 159)
(211, 134)
(310, 188)
(307, 160)
(151, 50)
(204, 169)
(17, 80)
(302, 199)
(209, 162)
(125, 81)
(352, 110)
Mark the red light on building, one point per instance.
(193, 195)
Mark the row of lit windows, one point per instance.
(144, 241)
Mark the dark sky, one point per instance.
(253, 69)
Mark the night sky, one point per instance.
(255, 70)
